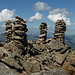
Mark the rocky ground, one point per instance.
(50, 58)
(19, 56)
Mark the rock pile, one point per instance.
(16, 37)
(43, 32)
(8, 30)
(19, 30)
(16, 31)
(60, 29)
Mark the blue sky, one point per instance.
(37, 11)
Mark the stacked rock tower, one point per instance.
(19, 30)
(16, 31)
(43, 32)
(8, 31)
(60, 28)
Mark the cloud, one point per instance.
(39, 6)
(6, 15)
(37, 16)
(48, 26)
(3, 26)
(56, 14)
(63, 11)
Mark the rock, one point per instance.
(8, 30)
(16, 30)
(32, 66)
(53, 44)
(36, 73)
(19, 31)
(8, 21)
(3, 53)
(55, 71)
(60, 28)
(43, 32)
(1, 44)
(69, 68)
(5, 70)
(71, 59)
(7, 45)
(60, 58)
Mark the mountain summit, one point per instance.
(19, 56)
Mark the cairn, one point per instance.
(16, 38)
(8, 31)
(43, 32)
(60, 29)
(19, 30)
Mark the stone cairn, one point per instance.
(16, 34)
(60, 29)
(19, 30)
(43, 32)
(8, 31)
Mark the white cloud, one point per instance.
(48, 26)
(56, 14)
(37, 16)
(38, 6)
(63, 11)
(6, 15)
(3, 26)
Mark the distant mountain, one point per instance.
(70, 44)
(29, 37)
(69, 40)
(32, 37)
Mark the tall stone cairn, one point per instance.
(19, 30)
(60, 28)
(43, 32)
(8, 31)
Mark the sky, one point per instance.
(37, 11)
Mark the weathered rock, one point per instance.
(8, 31)
(60, 58)
(69, 68)
(5, 70)
(43, 32)
(19, 30)
(36, 73)
(55, 71)
(71, 59)
(53, 44)
(60, 28)
(3, 52)
(1, 44)
(31, 66)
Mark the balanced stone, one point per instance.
(16, 31)
(8, 31)
(43, 32)
(19, 30)
(60, 29)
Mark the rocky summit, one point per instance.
(19, 56)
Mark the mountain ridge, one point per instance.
(69, 40)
